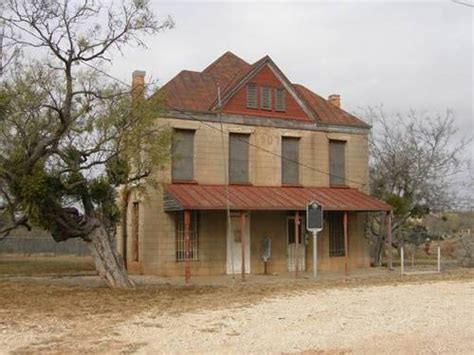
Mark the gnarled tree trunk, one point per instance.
(108, 262)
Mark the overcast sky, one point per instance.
(401, 54)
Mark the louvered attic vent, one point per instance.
(252, 96)
(266, 98)
(280, 99)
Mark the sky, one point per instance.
(402, 54)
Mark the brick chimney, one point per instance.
(335, 99)
(138, 85)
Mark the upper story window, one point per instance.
(252, 96)
(290, 160)
(266, 98)
(337, 163)
(239, 158)
(280, 99)
(182, 160)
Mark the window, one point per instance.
(336, 234)
(183, 155)
(252, 96)
(266, 98)
(193, 236)
(337, 160)
(280, 100)
(238, 158)
(290, 161)
(135, 230)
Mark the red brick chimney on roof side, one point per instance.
(335, 99)
(138, 85)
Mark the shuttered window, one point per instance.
(336, 234)
(252, 96)
(290, 160)
(280, 99)
(183, 155)
(238, 158)
(266, 98)
(337, 162)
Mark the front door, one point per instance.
(291, 240)
(234, 244)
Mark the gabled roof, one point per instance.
(197, 91)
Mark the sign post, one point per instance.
(314, 224)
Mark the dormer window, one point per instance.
(266, 98)
(280, 100)
(252, 96)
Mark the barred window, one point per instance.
(280, 100)
(266, 98)
(252, 96)
(193, 236)
(336, 234)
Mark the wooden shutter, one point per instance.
(183, 155)
(265, 98)
(238, 158)
(290, 160)
(252, 96)
(337, 162)
(280, 99)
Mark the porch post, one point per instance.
(389, 239)
(297, 244)
(187, 271)
(346, 252)
(242, 242)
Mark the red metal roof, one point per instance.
(243, 197)
(196, 91)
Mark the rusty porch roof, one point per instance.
(243, 197)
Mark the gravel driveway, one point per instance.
(414, 318)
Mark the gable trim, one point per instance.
(280, 76)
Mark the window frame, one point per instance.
(336, 180)
(285, 163)
(175, 176)
(283, 99)
(335, 223)
(263, 90)
(240, 137)
(252, 103)
(180, 255)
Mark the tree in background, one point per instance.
(69, 135)
(414, 161)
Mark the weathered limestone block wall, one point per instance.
(157, 228)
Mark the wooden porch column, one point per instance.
(388, 216)
(346, 251)
(187, 269)
(297, 244)
(242, 242)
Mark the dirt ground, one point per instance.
(431, 313)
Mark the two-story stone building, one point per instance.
(250, 150)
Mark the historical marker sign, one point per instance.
(314, 217)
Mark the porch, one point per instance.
(227, 230)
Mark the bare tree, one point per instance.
(414, 159)
(68, 134)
